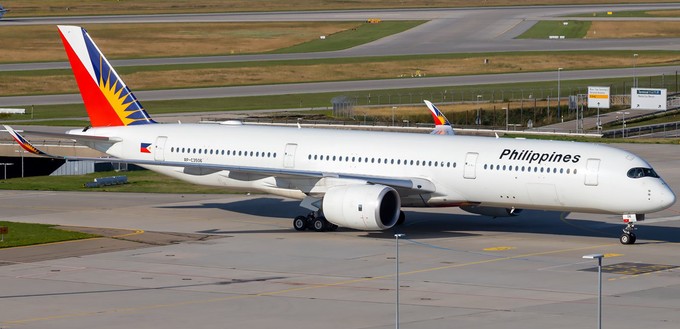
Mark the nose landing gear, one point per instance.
(628, 236)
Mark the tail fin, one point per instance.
(107, 99)
(442, 125)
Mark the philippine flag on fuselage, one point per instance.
(145, 148)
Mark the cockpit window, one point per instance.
(642, 172)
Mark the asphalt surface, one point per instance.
(456, 269)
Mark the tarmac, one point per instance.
(233, 261)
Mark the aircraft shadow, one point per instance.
(428, 225)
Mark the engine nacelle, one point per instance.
(362, 207)
(492, 211)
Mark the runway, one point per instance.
(448, 30)
(349, 86)
(456, 269)
(456, 30)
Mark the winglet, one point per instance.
(443, 126)
(25, 144)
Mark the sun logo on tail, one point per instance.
(119, 97)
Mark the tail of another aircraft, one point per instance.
(107, 99)
(442, 125)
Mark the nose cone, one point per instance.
(666, 197)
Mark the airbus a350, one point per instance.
(360, 179)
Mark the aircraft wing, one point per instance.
(413, 185)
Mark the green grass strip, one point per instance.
(24, 234)
(363, 34)
(545, 29)
(141, 181)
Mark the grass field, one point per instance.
(362, 34)
(638, 13)
(37, 43)
(21, 8)
(603, 29)
(23, 234)
(633, 29)
(321, 101)
(545, 29)
(138, 181)
(342, 69)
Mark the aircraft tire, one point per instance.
(300, 223)
(627, 238)
(319, 224)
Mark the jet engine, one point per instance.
(362, 207)
(492, 211)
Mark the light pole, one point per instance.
(478, 120)
(393, 109)
(598, 124)
(506, 119)
(599, 286)
(396, 239)
(559, 111)
(5, 165)
(635, 56)
(623, 123)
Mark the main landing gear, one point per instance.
(628, 236)
(313, 221)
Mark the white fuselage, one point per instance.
(510, 173)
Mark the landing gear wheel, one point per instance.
(319, 224)
(627, 238)
(332, 227)
(402, 218)
(300, 223)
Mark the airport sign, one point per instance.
(598, 97)
(648, 99)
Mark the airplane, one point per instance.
(358, 179)
(3, 11)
